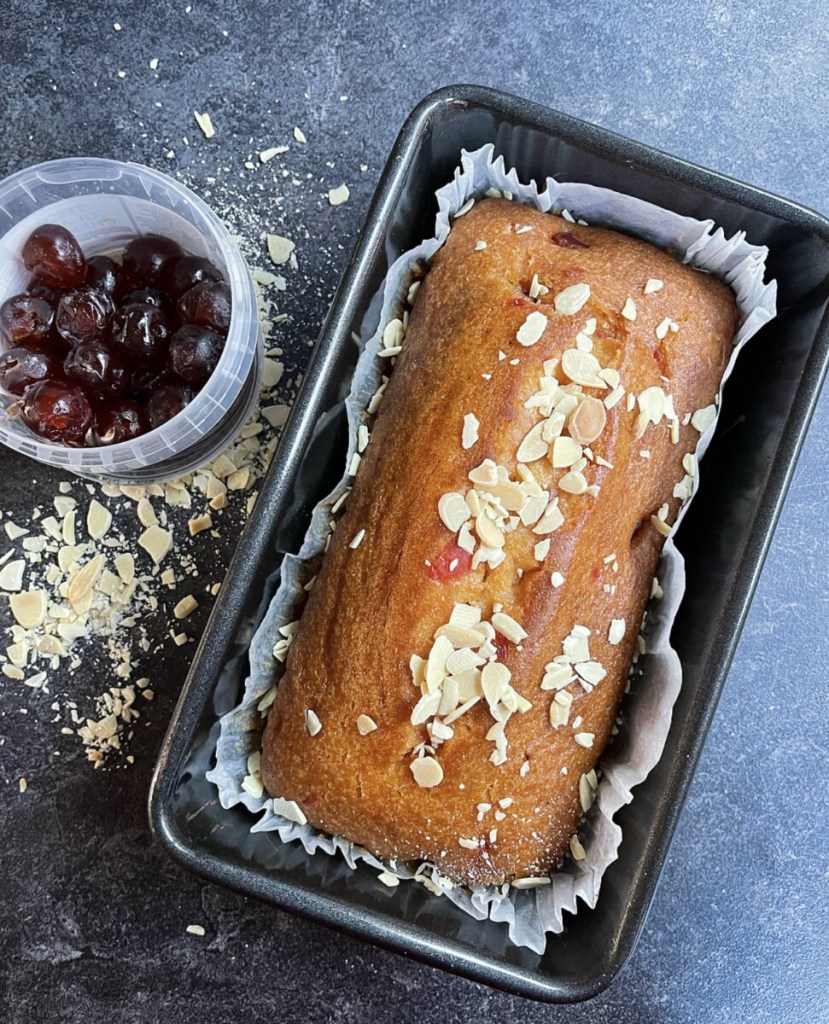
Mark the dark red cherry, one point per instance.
(57, 410)
(167, 402)
(84, 315)
(150, 297)
(144, 257)
(55, 256)
(20, 367)
(194, 353)
(142, 333)
(180, 275)
(42, 291)
(97, 369)
(207, 304)
(26, 318)
(121, 420)
(104, 275)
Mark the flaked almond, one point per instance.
(98, 520)
(653, 284)
(11, 575)
(465, 615)
(489, 532)
(572, 299)
(453, 510)
(533, 446)
(508, 627)
(156, 542)
(588, 420)
(533, 327)
(469, 434)
(485, 475)
(573, 482)
(28, 608)
(582, 368)
(460, 636)
(584, 739)
(629, 309)
(186, 606)
(551, 520)
(566, 452)
(289, 809)
(427, 772)
(82, 582)
(199, 523)
(312, 723)
(616, 633)
(703, 418)
(495, 678)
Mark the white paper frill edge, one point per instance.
(529, 914)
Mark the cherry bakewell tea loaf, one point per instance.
(458, 668)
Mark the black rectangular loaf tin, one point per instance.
(766, 410)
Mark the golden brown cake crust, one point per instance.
(375, 605)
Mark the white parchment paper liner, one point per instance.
(529, 914)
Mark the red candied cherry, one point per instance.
(20, 367)
(97, 369)
(121, 420)
(167, 402)
(57, 410)
(55, 256)
(144, 257)
(194, 353)
(145, 379)
(207, 304)
(149, 297)
(104, 275)
(180, 275)
(142, 333)
(26, 319)
(83, 315)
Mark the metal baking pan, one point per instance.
(767, 406)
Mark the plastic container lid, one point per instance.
(105, 204)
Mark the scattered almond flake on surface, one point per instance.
(154, 63)
(268, 154)
(629, 309)
(186, 606)
(469, 435)
(195, 929)
(427, 772)
(13, 531)
(299, 135)
(276, 415)
(570, 300)
(653, 284)
(357, 539)
(280, 249)
(339, 195)
(312, 722)
(530, 882)
(156, 542)
(584, 739)
(365, 725)
(467, 206)
(98, 520)
(11, 575)
(532, 329)
(28, 608)
(206, 125)
(388, 879)
(199, 523)
(703, 418)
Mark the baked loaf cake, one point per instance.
(458, 668)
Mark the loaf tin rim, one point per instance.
(407, 937)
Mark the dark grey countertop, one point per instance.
(94, 912)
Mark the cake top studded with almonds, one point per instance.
(458, 668)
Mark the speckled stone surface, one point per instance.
(93, 912)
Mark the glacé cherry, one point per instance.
(57, 410)
(55, 256)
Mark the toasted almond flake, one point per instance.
(467, 206)
(146, 513)
(268, 154)
(465, 540)
(427, 772)
(488, 530)
(461, 710)
(280, 249)
(357, 539)
(572, 299)
(365, 725)
(551, 520)
(653, 284)
(388, 879)
(453, 510)
(689, 464)
(508, 627)
(339, 195)
(703, 418)
(573, 483)
(186, 606)
(312, 723)
(661, 526)
(13, 672)
(299, 135)
(614, 397)
(81, 582)
(533, 447)
(13, 531)
(662, 328)
(530, 882)
(629, 309)
(582, 368)
(206, 125)
(557, 675)
(465, 615)
(362, 437)
(11, 575)
(436, 662)
(156, 542)
(125, 567)
(566, 452)
(584, 739)
(289, 809)
(198, 524)
(469, 435)
(588, 420)
(576, 849)
(98, 520)
(587, 792)
(532, 330)
(541, 550)
(616, 633)
(469, 844)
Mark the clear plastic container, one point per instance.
(105, 203)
